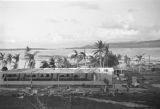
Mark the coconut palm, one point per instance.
(26, 55)
(106, 53)
(119, 56)
(127, 60)
(83, 55)
(66, 63)
(2, 59)
(31, 63)
(28, 49)
(52, 62)
(76, 57)
(94, 61)
(16, 60)
(44, 64)
(9, 59)
(31, 59)
(99, 50)
(60, 62)
(139, 60)
(106, 81)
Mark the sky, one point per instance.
(75, 23)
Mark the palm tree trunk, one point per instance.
(139, 67)
(107, 60)
(100, 61)
(31, 80)
(104, 61)
(85, 61)
(25, 64)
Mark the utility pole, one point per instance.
(31, 79)
(58, 80)
(149, 61)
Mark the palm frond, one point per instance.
(75, 51)
(35, 53)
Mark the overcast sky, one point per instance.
(69, 23)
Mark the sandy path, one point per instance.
(128, 104)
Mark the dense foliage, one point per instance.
(104, 56)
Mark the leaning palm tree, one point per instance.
(99, 50)
(16, 60)
(106, 53)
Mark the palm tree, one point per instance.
(44, 64)
(139, 60)
(2, 59)
(52, 63)
(31, 59)
(83, 55)
(106, 53)
(9, 58)
(26, 55)
(99, 50)
(94, 60)
(119, 56)
(127, 60)
(75, 56)
(16, 58)
(66, 63)
(60, 62)
(106, 81)
(28, 49)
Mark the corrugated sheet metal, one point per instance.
(63, 70)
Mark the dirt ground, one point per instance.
(52, 102)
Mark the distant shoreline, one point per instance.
(22, 49)
(15, 49)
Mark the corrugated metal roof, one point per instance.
(60, 70)
(16, 70)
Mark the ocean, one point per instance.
(154, 53)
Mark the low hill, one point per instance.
(142, 44)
